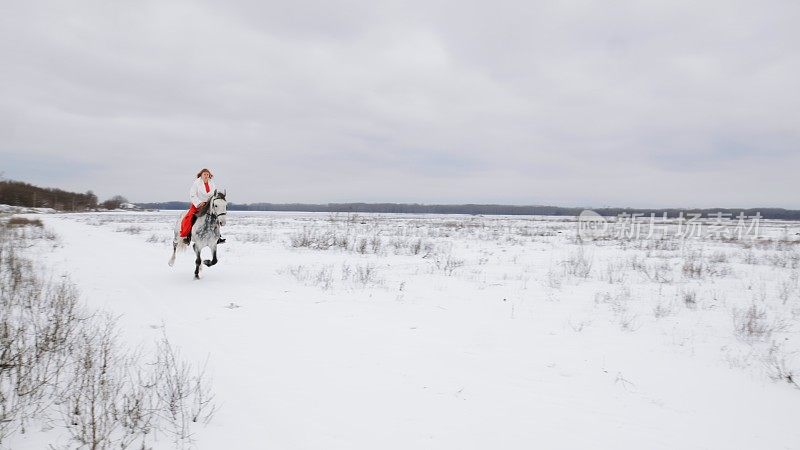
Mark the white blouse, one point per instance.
(198, 194)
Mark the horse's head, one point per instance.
(219, 206)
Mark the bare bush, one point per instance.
(158, 239)
(578, 264)
(301, 239)
(425, 249)
(749, 257)
(319, 239)
(376, 244)
(322, 239)
(447, 263)
(89, 402)
(628, 321)
(663, 310)
(780, 365)
(788, 287)
(323, 277)
(659, 271)
(57, 359)
(130, 229)
(752, 323)
(360, 275)
(718, 257)
(619, 305)
(689, 298)
(696, 265)
(554, 278)
(112, 399)
(184, 394)
(784, 259)
(614, 273)
(38, 322)
(17, 221)
(403, 246)
(416, 247)
(361, 246)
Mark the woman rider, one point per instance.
(201, 191)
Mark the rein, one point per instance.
(207, 209)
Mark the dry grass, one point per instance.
(23, 222)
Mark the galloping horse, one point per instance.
(205, 232)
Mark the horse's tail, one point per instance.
(179, 247)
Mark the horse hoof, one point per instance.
(207, 263)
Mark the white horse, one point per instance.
(205, 232)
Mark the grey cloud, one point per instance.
(524, 102)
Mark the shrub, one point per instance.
(57, 357)
(752, 324)
(17, 221)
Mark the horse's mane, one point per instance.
(204, 210)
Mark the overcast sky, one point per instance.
(580, 103)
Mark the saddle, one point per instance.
(197, 214)
(200, 212)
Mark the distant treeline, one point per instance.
(414, 208)
(17, 193)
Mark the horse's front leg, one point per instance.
(197, 261)
(213, 256)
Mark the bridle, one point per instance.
(212, 210)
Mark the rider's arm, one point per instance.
(194, 196)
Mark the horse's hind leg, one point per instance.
(197, 262)
(213, 256)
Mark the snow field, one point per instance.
(397, 331)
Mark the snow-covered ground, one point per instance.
(457, 332)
